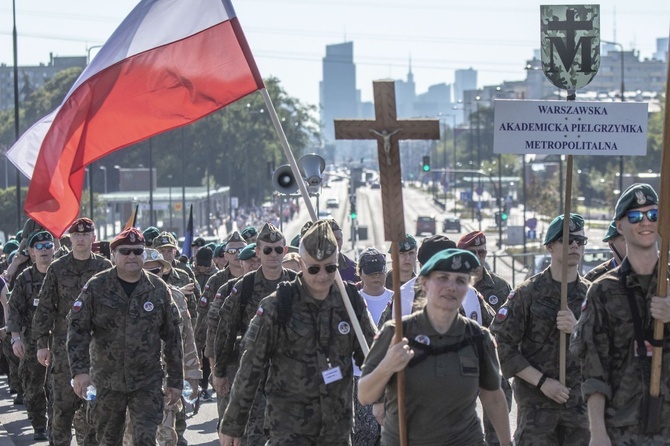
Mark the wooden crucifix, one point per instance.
(388, 131)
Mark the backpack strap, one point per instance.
(284, 303)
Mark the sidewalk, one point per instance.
(13, 419)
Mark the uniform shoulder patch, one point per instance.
(203, 301)
(218, 296)
(259, 312)
(77, 305)
(501, 316)
(510, 296)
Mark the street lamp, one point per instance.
(623, 90)
(169, 177)
(104, 176)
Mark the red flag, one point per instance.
(132, 219)
(168, 64)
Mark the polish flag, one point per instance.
(170, 63)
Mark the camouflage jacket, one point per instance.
(208, 294)
(179, 278)
(201, 277)
(213, 315)
(236, 313)
(525, 328)
(317, 337)
(118, 338)
(604, 340)
(61, 286)
(23, 302)
(192, 368)
(600, 270)
(494, 288)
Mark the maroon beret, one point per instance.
(130, 236)
(82, 224)
(472, 239)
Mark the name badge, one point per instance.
(331, 375)
(35, 302)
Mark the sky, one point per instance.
(288, 37)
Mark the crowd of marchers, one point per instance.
(116, 345)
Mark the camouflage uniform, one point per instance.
(64, 280)
(494, 288)
(600, 270)
(233, 322)
(119, 339)
(604, 339)
(301, 408)
(208, 294)
(22, 304)
(179, 278)
(525, 328)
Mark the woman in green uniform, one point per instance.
(449, 361)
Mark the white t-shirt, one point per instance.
(377, 304)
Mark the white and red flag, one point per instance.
(169, 63)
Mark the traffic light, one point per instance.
(425, 165)
(501, 218)
(352, 211)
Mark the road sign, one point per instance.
(570, 44)
(234, 202)
(531, 223)
(570, 128)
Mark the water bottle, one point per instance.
(91, 393)
(188, 394)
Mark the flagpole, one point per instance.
(16, 113)
(310, 207)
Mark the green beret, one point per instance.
(295, 241)
(248, 232)
(270, 234)
(150, 234)
(408, 244)
(42, 236)
(199, 242)
(319, 240)
(219, 250)
(235, 236)
(636, 196)
(555, 230)
(211, 246)
(11, 245)
(612, 232)
(248, 252)
(11, 256)
(19, 235)
(452, 260)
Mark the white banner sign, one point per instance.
(570, 128)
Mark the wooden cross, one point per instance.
(388, 130)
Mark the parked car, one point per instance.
(332, 203)
(375, 185)
(425, 224)
(451, 224)
(323, 214)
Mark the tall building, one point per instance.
(32, 77)
(661, 49)
(464, 80)
(338, 96)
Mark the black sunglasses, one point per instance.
(127, 251)
(278, 249)
(581, 241)
(637, 216)
(314, 270)
(41, 246)
(154, 270)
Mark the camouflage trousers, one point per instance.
(13, 362)
(633, 436)
(145, 409)
(552, 427)
(254, 434)
(33, 379)
(65, 403)
(166, 434)
(490, 433)
(222, 400)
(301, 440)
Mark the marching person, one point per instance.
(449, 361)
(22, 305)
(407, 251)
(527, 328)
(617, 244)
(302, 335)
(64, 280)
(121, 325)
(613, 337)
